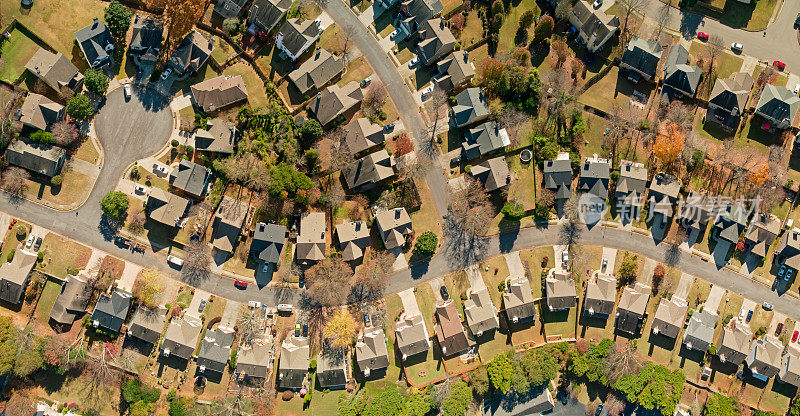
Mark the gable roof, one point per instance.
(594, 177)
(165, 207)
(268, 242)
(411, 336)
(632, 178)
(219, 92)
(110, 311)
(493, 173)
(146, 37)
(601, 295)
(778, 103)
(763, 232)
(317, 71)
(560, 291)
(293, 365)
(14, 275)
(72, 300)
(370, 170)
(55, 69)
(311, 240)
(790, 367)
(267, 13)
(697, 209)
(699, 334)
(731, 93)
(731, 221)
(518, 299)
(147, 325)
(449, 330)
(594, 22)
(678, 74)
(421, 10)
(228, 223)
(454, 70)
(471, 106)
(229, 8)
(296, 33)
(215, 350)
(558, 177)
(353, 238)
(335, 100)
(332, 370)
(220, 137)
(180, 340)
(436, 40)
(362, 135)
(371, 351)
(45, 159)
(40, 112)
(643, 55)
(735, 343)
(96, 43)
(480, 311)
(393, 225)
(253, 360)
(632, 306)
(764, 357)
(190, 178)
(789, 249)
(670, 316)
(664, 190)
(192, 52)
(484, 139)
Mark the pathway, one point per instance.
(515, 267)
(684, 285)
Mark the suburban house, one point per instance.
(393, 226)
(14, 276)
(353, 239)
(267, 246)
(492, 173)
(311, 240)
(229, 9)
(370, 171)
(110, 311)
(96, 43)
(696, 211)
(471, 107)
(181, 337)
(294, 37)
(40, 112)
(293, 364)
(629, 192)
(735, 344)
(485, 139)
(371, 352)
(663, 193)
(165, 207)
(435, 41)
(454, 72)
(335, 101)
(731, 221)
(228, 223)
(560, 291)
(595, 27)
(632, 307)
(764, 357)
(146, 38)
(363, 136)
(640, 59)
(44, 159)
(787, 252)
(266, 14)
(778, 106)
(699, 334)
(72, 300)
(518, 300)
(190, 179)
(55, 70)
(219, 92)
(728, 99)
(680, 78)
(413, 14)
(317, 72)
(558, 176)
(147, 325)
(594, 177)
(600, 296)
(411, 336)
(253, 361)
(670, 316)
(537, 402)
(219, 136)
(332, 370)
(790, 367)
(762, 234)
(215, 351)
(449, 330)
(480, 311)
(191, 54)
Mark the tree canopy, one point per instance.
(719, 405)
(115, 204)
(118, 19)
(95, 81)
(79, 107)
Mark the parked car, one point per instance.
(749, 316)
(796, 88)
(30, 241)
(127, 90)
(202, 306)
(565, 256)
(166, 73)
(367, 321)
(778, 64)
(305, 330)
(365, 81)
(605, 264)
(794, 337)
(160, 170)
(443, 292)
(780, 272)
(797, 20)
(297, 329)
(597, 4)
(737, 47)
(37, 244)
(412, 63)
(254, 304)
(767, 306)
(240, 284)
(139, 189)
(389, 127)
(702, 36)
(779, 329)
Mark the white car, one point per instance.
(158, 169)
(167, 72)
(254, 304)
(413, 62)
(139, 189)
(597, 4)
(426, 92)
(30, 241)
(796, 88)
(737, 47)
(565, 256)
(127, 90)
(394, 34)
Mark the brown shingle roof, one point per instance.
(449, 330)
(311, 241)
(670, 316)
(317, 71)
(219, 92)
(40, 112)
(335, 101)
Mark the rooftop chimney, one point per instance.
(94, 22)
(397, 213)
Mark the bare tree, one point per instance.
(662, 19)
(249, 327)
(65, 133)
(329, 281)
(415, 168)
(100, 370)
(344, 45)
(197, 264)
(21, 403)
(16, 180)
(614, 404)
(371, 277)
(621, 361)
(341, 157)
(560, 101)
(374, 98)
(563, 9)
(136, 224)
(513, 121)
(630, 7)
(471, 209)
(714, 47)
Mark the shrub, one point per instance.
(497, 7)
(95, 81)
(231, 26)
(287, 395)
(79, 107)
(313, 366)
(56, 180)
(543, 29)
(513, 210)
(189, 149)
(232, 360)
(11, 255)
(526, 19)
(21, 231)
(426, 244)
(41, 136)
(174, 142)
(40, 256)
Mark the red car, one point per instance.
(240, 284)
(702, 36)
(780, 65)
(794, 337)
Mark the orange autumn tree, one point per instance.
(179, 19)
(760, 176)
(669, 143)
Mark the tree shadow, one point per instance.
(461, 248)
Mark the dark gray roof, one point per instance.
(147, 325)
(363, 135)
(268, 242)
(643, 55)
(55, 69)
(537, 401)
(331, 370)
(731, 93)
(45, 159)
(219, 138)
(778, 103)
(558, 177)
(296, 33)
(267, 13)
(601, 295)
(371, 351)
(700, 331)
(370, 170)
(696, 210)
(228, 223)
(762, 233)
(436, 41)
(40, 112)
(215, 350)
(72, 301)
(415, 12)
(317, 71)
(190, 178)
(594, 177)
(230, 8)
(632, 178)
(334, 101)
(731, 221)
(493, 173)
(192, 53)
(471, 107)
(146, 38)
(96, 43)
(484, 139)
(789, 249)
(678, 74)
(454, 70)
(110, 311)
(595, 24)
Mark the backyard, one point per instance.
(256, 93)
(16, 50)
(73, 188)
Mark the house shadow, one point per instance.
(726, 368)
(591, 321)
(691, 355)
(660, 341)
(784, 389)
(142, 347)
(172, 361)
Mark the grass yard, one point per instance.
(60, 253)
(473, 30)
(727, 63)
(73, 187)
(103, 398)
(426, 302)
(425, 368)
(777, 396)
(222, 50)
(425, 218)
(357, 70)
(15, 52)
(532, 260)
(147, 178)
(11, 241)
(753, 136)
(730, 305)
(754, 16)
(585, 259)
(330, 38)
(781, 81)
(713, 132)
(491, 345)
(87, 151)
(54, 26)
(256, 93)
(404, 51)
(612, 90)
(522, 187)
(384, 24)
(511, 23)
(761, 319)
(46, 300)
(450, 5)
(698, 293)
(560, 322)
(496, 273)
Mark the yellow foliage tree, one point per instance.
(760, 176)
(340, 331)
(669, 143)
(148, 287)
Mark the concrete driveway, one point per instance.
(715, 296)
(684, 285)
(610, 256)
(409, 301)
(515, 267)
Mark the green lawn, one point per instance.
(222, 50)
(15, 52)
(752, 136)
(60, 253)
(727, 63)
(698, 293)
(46, 300)
(256, 93)
(559, 322)
(425, 368)
(357, 70)
(511, 23)
(426, 301)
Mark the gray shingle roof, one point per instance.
(560, 291)
(779, 104)
(166, 207)
(370, 170)
(40, 112)
(110, 311)
(518, 299)
(96, 43)
(558, 177)
(731, 93)
(363, 135)
(215, 350)
(146, 38)
(332, 370)
(631, 308)
(71, 301)
(190, 178)
(267, 13)
(393, 225)
(220, 137)
(735, 343)
(371, 351)
(764, 357)
(601, 295)
(181, 338)
(763, 232)
(471, 107)
(230, 8)
(293, 364)
(455, 70)
(670, 316)
(678, 74)
(789, 249)
(14, 276)
(317, 71)
(268, 242)
(55, 69)
(228, 223)
(594, 177)
(410, 335)
(45, 159)
(192, 53)
(335, 101)
(594, 22)
(643, 55)
(296, 34)
(699, 334)
(731, 221)
(493, 173)
(147, 325)
(480, 312)
(483, 140)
